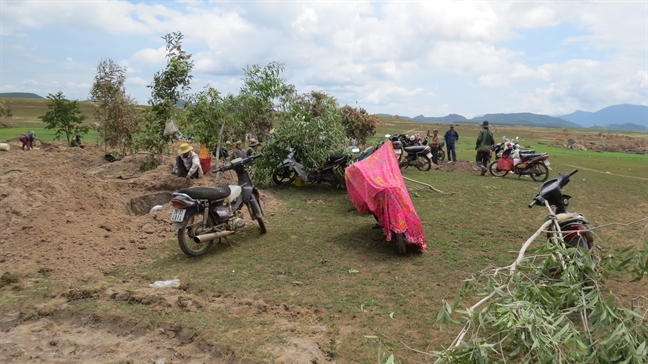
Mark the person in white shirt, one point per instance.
(187, 163)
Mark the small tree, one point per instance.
(358, 124)
(312, 125)
(166, 90)
(262, 87)
(116, 111)
(5, 111)
(205, 113)
(64, 117)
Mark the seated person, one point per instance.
(187, 163)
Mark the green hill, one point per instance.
(20, 95)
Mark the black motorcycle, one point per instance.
(332, 172)
(419, 156)
(573, 227)
(203, 214)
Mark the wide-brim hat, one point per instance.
(184, 148)
(253, 142)
(485, 123)
(437, 130)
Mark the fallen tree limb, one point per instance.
(427, 185)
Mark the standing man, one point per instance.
(483, 146)
(27, 139)
(434, 145)
(187, 163)
(451, 137)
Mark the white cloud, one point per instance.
(400, 57)
(494, 81)
(150, 56)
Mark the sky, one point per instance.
(407, 58)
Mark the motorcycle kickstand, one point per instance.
(227, 240)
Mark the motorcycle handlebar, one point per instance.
(572, 173)
(227, 167)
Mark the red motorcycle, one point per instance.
(535, 165)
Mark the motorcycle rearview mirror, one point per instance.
(387, 135)
(503, 137)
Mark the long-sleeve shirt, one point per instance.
(192, 163)
(451, 136)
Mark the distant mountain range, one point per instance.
(20, 95)
(615, 117)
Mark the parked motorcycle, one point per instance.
(332, 172)
(417, 155)
(376, 185)
(572, 227)
(203, 214)
(532, 164)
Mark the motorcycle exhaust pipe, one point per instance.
(211, 236)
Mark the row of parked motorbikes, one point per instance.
(202, 215)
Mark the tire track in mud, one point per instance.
(614, 174)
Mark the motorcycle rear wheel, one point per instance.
(423, 163)
(400, 241)
(540, 172)
(191, 227)
(441, 155)
(493, 170)
(284, 176)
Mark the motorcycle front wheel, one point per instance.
(192, 226)
(539, 172)
(259, 220)
(423, 163)
(284, 176)
(493, 170)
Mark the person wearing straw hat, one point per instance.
(252, 147)
(187, 163)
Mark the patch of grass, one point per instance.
(317, 244)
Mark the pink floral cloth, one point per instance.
(376, 184)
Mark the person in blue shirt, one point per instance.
(451, 137)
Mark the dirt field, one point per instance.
(68, 214)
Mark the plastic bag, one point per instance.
(170, 128)
(204, 153)
(504, 164)
(164, 284)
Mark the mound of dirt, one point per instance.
(461, 166)
(71, 213)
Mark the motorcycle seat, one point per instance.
(527, 151)
(335, 158)
(531, 155)
(207, 193)
(416, 149)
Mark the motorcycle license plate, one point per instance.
(178, 215)
(429, 155)
(398, 151)
(547, 163)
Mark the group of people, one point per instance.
(485, 141)
(27, 140)
(451, 137)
